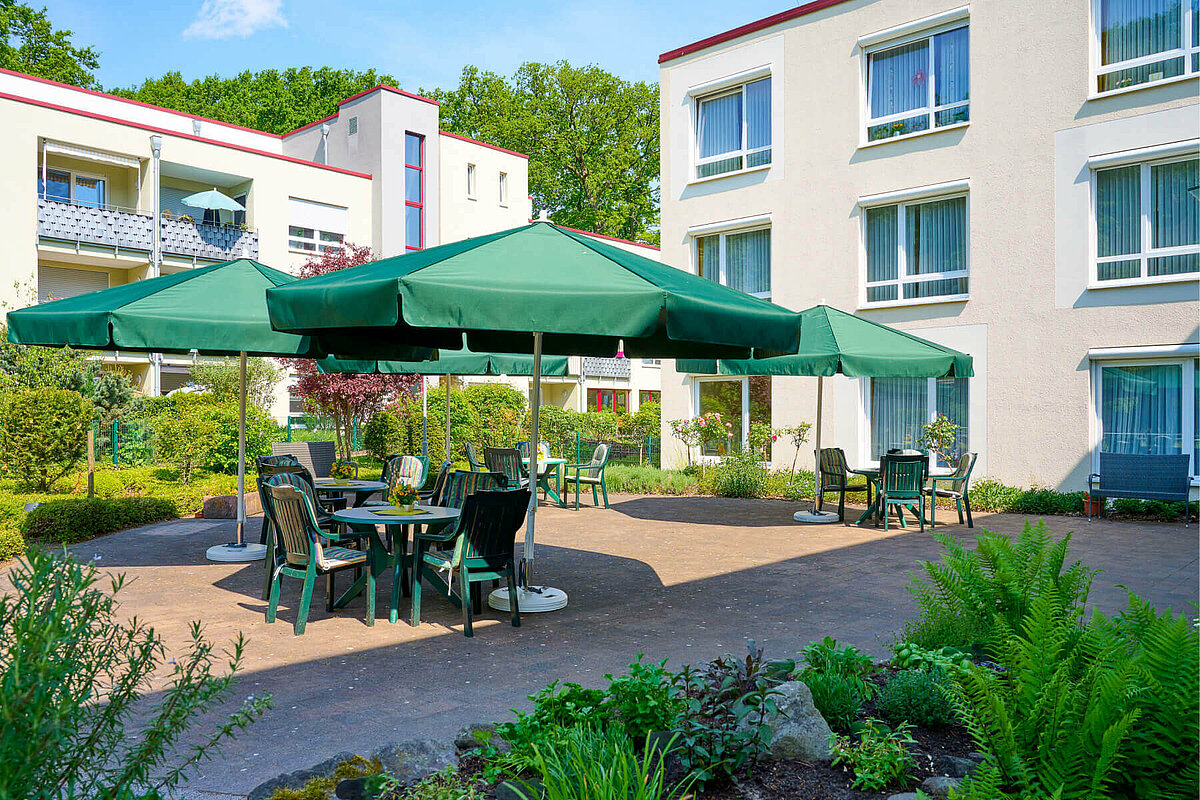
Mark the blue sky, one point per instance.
(424, 44)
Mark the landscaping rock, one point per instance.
(297, 779)
(939, 787)
(412, 760)
(954, 767)
(904, 796)
(351, 789)
(798, 731)
(224, 506)
(465, 738)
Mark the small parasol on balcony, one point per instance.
(212, 199)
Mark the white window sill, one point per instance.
(1095, 95)
(303, 252)
(916, 301)
(729, 174)
(914, 135)
(1124, 283)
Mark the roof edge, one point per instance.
(460, 137)
(748, 28)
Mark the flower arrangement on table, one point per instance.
(404, 496)
(543, 451)
(343, 470)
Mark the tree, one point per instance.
(348, 399)
(30, 44)
(43, 433)
(269, 100)
(112, 393)
(224, 380)
(591, 138)
(29, 367)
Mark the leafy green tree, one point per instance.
(270, 100)
(112, 393)
(43, 433)
(28, 367)
(29, 43)
(185, 434)
(224, 380)
(591, 138)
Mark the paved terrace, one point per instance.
(678, 578)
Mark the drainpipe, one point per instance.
(325, 143)
(156, 253)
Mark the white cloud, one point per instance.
(223, 19)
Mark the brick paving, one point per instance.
(671, 577)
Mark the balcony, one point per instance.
(133, 230)
(606, 367)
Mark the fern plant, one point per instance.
(962, 596)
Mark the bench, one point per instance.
(1144, 477)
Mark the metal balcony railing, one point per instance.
(131, 229)
(606, 367)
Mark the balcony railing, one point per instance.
(606, 367)
(133, 230)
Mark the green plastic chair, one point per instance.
(483, 550)
(411, 470)
(901, 485)
(297, 476)
(590, 474)
(301, 551)
(508, 462)
(835, 477)
(473, 459)
(958, 490)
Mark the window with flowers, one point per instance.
(918, 85)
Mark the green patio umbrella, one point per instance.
(541, 289)
(215, 310)
(212, 199)
(449, 363)
(833, 342)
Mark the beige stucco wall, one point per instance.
(1029, 82)
(462, 216)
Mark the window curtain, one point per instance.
(953, 395)
(951, 61)
(758, 114)
(1141, 410)
(1196, 420)
(1135, 28)
(898, 79)
(882, 252)
(1118, 211)
(748, 261)
(708, 257)
(899, 407)
(721, 125)
(935, 236)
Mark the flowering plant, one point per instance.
(708, 428)
(344, 469)
(403, 495)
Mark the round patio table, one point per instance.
(872, 475)
(360, 489)
(362, 520)
(546, 466)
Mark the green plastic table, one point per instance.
(873, 510)
(360, 489)
(545, 467)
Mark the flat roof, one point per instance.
(748, 28)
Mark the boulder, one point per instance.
(465, 738)
(224, 506)
(412, 760)
(904, 796)
(798, 731)
(939, 787)
(954, 767)
(297, 779)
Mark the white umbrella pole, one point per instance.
(815, 515)
(238, 550)
(448, 378)
(424, 416)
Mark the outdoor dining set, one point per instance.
(462, 528)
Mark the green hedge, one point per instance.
(79, 518)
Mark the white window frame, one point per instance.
(717, 89)
(472, 181)
(902, 200)
(724, 232)
(744, 380)
(318, 246)
(897, 37)
(864, 442)
(1187, 408)
(1146, 250)
(503, 187)
(1188, 48)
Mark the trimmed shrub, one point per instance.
(43, 434)
(12, 544)
(918, 697)
(383, 435)
(78, 519)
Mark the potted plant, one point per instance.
(1093, 506)
(940, 437)
(344, 470)
(403, 496)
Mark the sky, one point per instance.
(424, 45)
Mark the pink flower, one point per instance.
(702, 422)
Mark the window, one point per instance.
(1147, 221)
(919, 85)
(649, 396)
(414, 191)
(740, 260)
(1139, 42)
(311, 240)
(608, 400)
(470, 181)
(1150, 407)
(352, 127)
(733, 129)
(68, 187)
(504, 188)
(916, 251)
(316, 227)
(740, 402)
(59, 283)
(899, 407)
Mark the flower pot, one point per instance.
(1093, 506)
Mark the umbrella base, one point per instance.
(237, 552)
(815, 517)
(530, 600)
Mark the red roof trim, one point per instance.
(168, 132)
(309, 125)
(750, 27)
(482, 144)
(387, 88)
(137, 103)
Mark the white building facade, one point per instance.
(1015, 180)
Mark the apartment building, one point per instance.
(93, 186)
(1017, 180)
